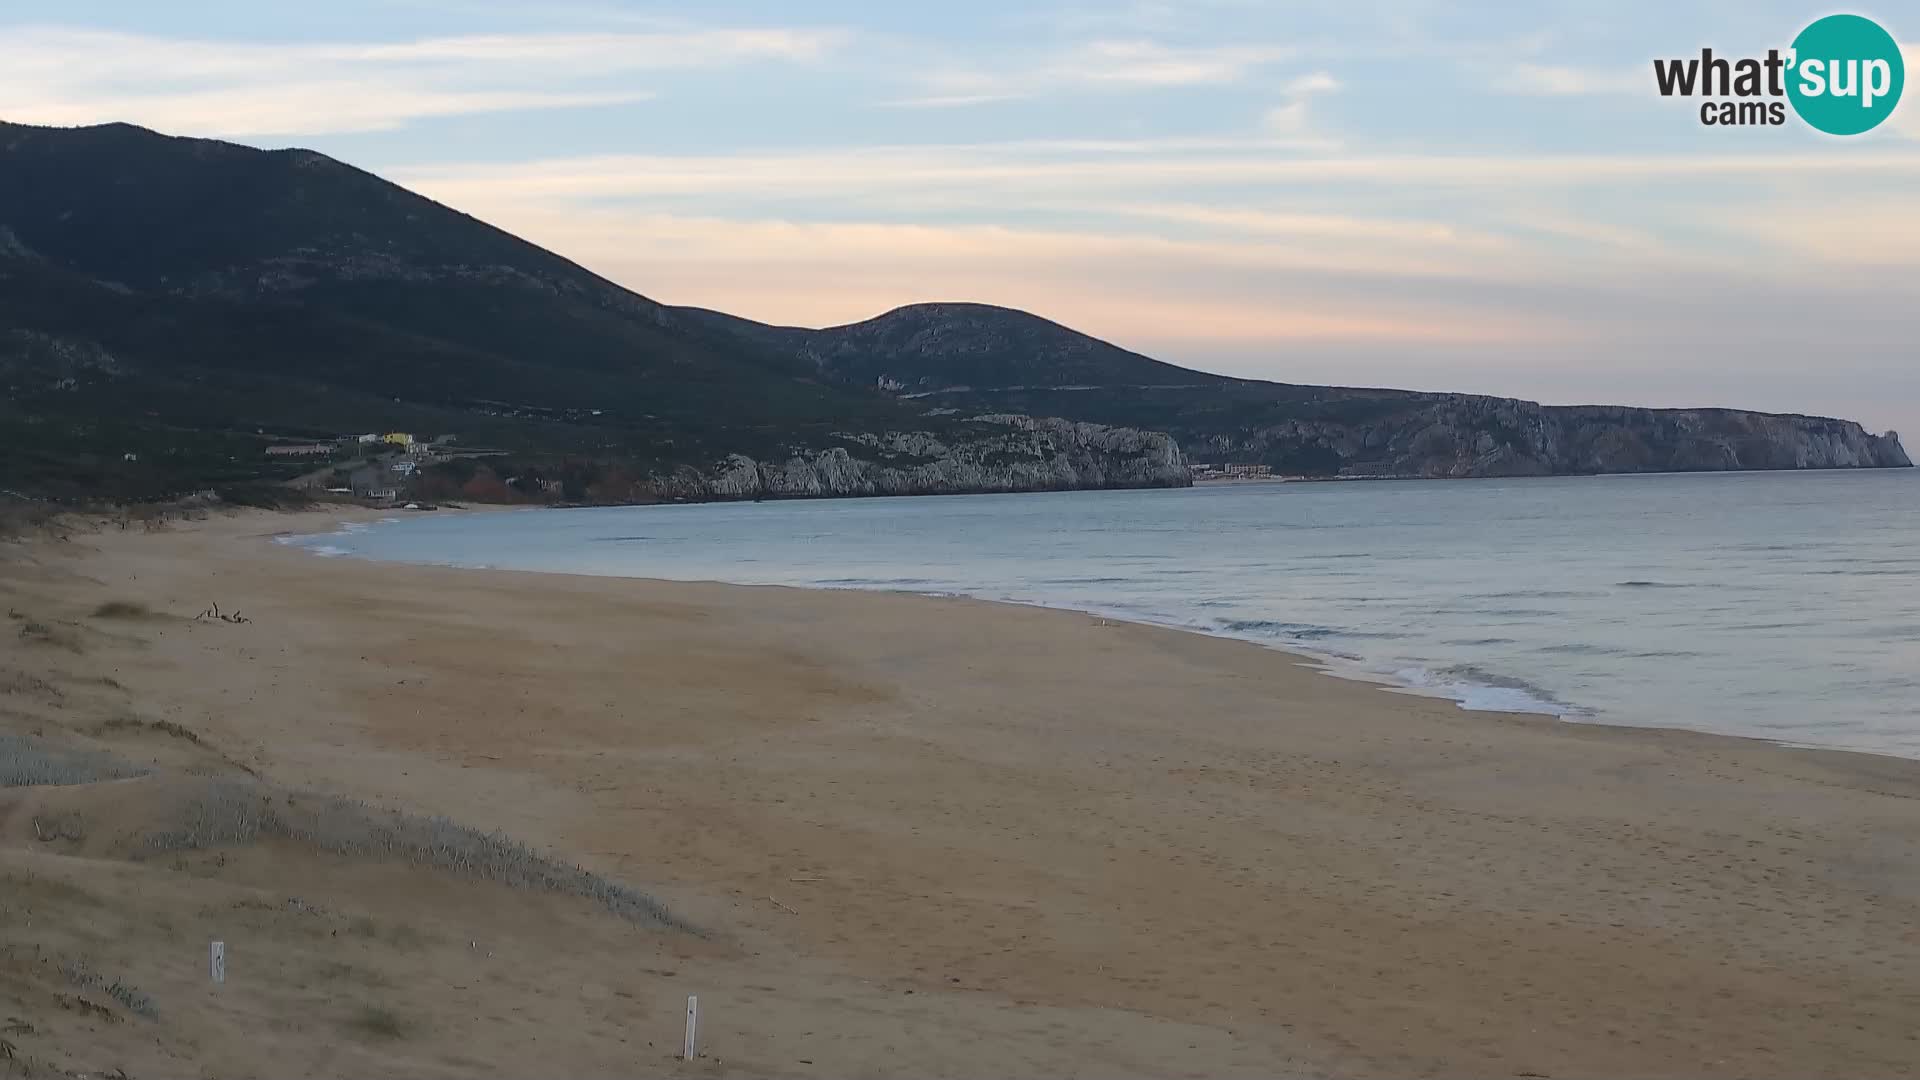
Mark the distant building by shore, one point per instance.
(1202, 471)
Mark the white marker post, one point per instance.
(217, 962)
(693, 1025)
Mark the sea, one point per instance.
(1779, 605)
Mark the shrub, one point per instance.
(121, 609)
(378, 1022)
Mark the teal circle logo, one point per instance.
(1847, 74)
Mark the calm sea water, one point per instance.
(1779, 605)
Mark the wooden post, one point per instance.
(217, 962)
(693, 1023)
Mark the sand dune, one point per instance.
(905, 836)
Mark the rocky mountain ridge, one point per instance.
(1464, 436)
(978, 357)
(171, 307)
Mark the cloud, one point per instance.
(1151, 64)
(1582, 230)
(1118, 285)
(949, 101)
(1343, 228)
(1875, 235)
(56, 75)
(1107, 64)
(1290, 117)
(310, 108)
(1318, 82)
(1556, 80)
(613, 52)
(1005, 171)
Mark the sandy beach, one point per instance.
(906, 836)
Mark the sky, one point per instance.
(1486, 198)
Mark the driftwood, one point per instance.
(214, 613)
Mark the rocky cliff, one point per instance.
(1463, 435)
(1025, 454)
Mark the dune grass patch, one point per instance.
(28, 762)
(132, 998)
(158, 727)
(229, 813)
(36, 632)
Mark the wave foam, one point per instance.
(1478, 689)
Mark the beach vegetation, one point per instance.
(378, 1022)
(229, 813)
(29, 762)
(121, 609)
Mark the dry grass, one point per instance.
(377, 1022)
(35, 632)
(121, 609)
(131, 998)
(343, 972)
(29, 762)
(161, 727)
(230, 813)
(70, 827)
(20, 682)
(23, 520)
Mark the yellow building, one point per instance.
(397, 438)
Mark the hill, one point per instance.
(972, 357)
(171, 307)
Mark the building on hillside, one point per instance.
(369, 438)
(398, 438)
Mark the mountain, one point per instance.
(185, 302)
(170, 308)
(930, 348)
(972, 357)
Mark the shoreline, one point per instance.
(1331, 664)
(1320, 665)
(1347, 668)
(946, 836)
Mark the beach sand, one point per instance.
(918, 836)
